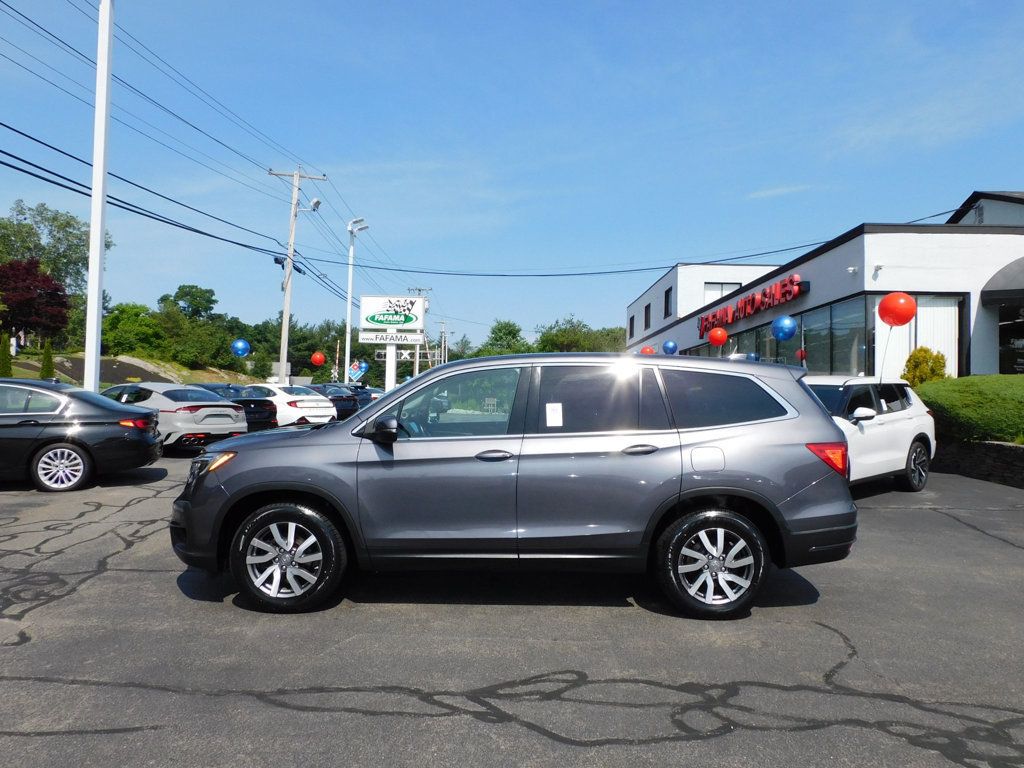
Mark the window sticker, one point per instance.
(554, 414)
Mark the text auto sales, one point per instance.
(784, 290)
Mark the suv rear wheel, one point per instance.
(288, 557)
(711, 563)
(915, 474)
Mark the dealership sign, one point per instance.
(391, 314)
(786, 289)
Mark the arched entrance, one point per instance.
(1006, 291)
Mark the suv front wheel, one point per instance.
(711, 563)
(288, 557)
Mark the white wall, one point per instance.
(996, 213)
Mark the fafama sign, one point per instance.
(391, 319)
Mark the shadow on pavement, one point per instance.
(139, 476)
(782, 588)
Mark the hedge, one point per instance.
(977, 407)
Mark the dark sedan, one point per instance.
(60, 436)
(260, 413)
(346, 399)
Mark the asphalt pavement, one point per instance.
(906, 654)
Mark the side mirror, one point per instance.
(863, 414)
(385, 430)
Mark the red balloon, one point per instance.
(318, 358)
(718, 337)
(647, 351)
(801, 355)
(897, 308)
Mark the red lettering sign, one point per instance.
(786, 289)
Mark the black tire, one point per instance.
(710, 571)
(915, 474)
(314, 567)
(60, 467)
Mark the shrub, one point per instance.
(46, 365)
(924, 365)
(976, 407)
(5, 355)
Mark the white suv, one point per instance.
(888, 428)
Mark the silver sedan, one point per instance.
(188, 416)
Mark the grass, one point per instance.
(977, 407)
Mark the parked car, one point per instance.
(345, 399)
(701, 469)
(376, 393)
(295, 405)
(190, 416)
(260, 413)
(61, 436)
(889, 430)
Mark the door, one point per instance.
(868, 440)
(446, 489)
(598, 459)
(24, 413)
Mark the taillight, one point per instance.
(137, 423)
(237, 409)
(833, 454)
(293, 404)
(189, 409)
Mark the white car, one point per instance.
(888, 429)
(295, 405)
(188, 416)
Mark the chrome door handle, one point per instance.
(639, 450)
(27, 421)
(494, 455)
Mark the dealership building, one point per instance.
(966, 275)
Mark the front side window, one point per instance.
(475, 403)
(588, 398)
(861, 396)
(13, 399)
(701, 399)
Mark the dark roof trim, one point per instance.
(967, 205)
(858, 231)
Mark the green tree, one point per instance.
(5, 355)
(261, 365)
(194, 302)
(46, 364)
(505, 338)
(58, 239)
(460, 349)
(131, 328)
(572, 335)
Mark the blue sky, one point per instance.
(497, 137)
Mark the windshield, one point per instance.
(831, 395)
(191, 395)
(298, 391)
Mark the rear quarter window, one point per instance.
(702, 399)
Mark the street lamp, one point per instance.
(356, 225)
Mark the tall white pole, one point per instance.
(97, 224)
(283, 377)
(348, 300)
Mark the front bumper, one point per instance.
(193, 526)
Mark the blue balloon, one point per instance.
(364, 366)
(669, 347)
(240, 347)
(783, 328)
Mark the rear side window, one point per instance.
(893, 397)
(701, 399)
(13, 399)
(588, 399)
(42, 402)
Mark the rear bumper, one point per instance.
(824, 545)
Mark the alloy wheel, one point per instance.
(284, 559)
(918, 466)
(716, 566)
(60, 468)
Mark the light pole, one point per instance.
(356, 225)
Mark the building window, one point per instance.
(714, 291)
(632, 326)
(816, 341)
(848, 337)
(647, 316)
(668, 301)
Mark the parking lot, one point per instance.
(907, 653)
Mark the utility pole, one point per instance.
(354, 227)
(286, 286)
(426, 306)
(97, 226)
(443, 352)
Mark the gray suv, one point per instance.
(700, 470)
